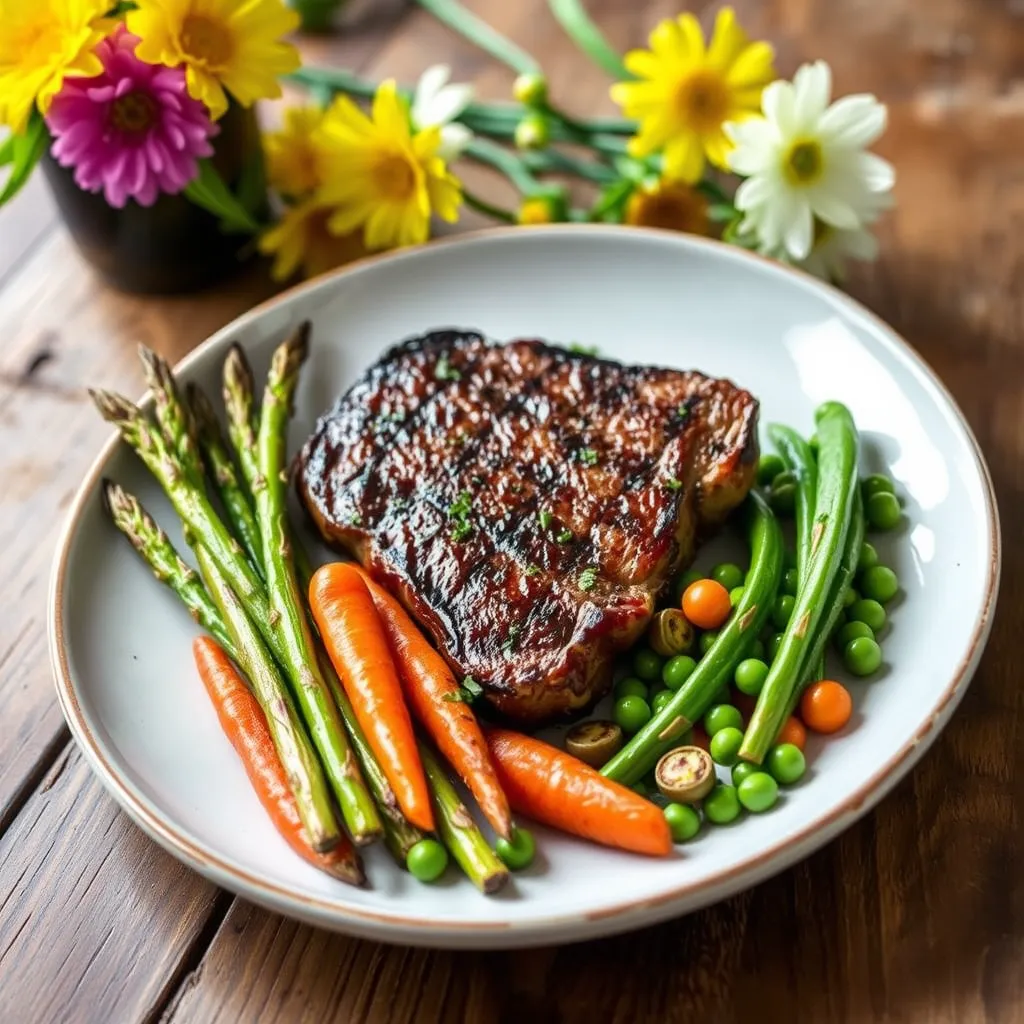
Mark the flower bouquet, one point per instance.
(146, 106)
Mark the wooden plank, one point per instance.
(24, 223)
(86, 933)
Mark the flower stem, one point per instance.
(474, 202)
(505, 162)
(478, 32)
(556, 160)
(587, 36)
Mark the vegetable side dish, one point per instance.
(354, 725)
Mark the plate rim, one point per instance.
(383, 926)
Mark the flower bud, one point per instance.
(533, 132)
(531, 89)
(549, 207)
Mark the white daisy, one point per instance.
(805, 161)
(436, 102)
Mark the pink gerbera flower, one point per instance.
(132, 131)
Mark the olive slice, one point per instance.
(686, 774)
(595, 742)
(670, 633)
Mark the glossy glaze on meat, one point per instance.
(527, 503)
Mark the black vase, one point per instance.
(172, 246)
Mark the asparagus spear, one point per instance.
(459, 831)
(234, 495)
(240, 404)
(168, 566)
(305, 776)
(203, 523)
(288, 620)
(171, 413)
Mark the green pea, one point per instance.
(852, 631)
(862, 656)
(741, 770)
(518, 852)
(707, 638)
(631, 687)
(757, 649)
(682, 582)
(852, 596)
(786, 763)
(720, 716)
(640, 788)
(880, 583)
(782, 610)
(758, 792)
(787, 478)
(750, 676)
(768, 468)
(677, 670)
(783, 499)
(427, 860)
(813, 443)
(877, 483)
(722, 805)
(725, 746)
(790, 580)
(774, 644)
(631, 714)
(659, 700)
(647, 663)
(728, 574)
(735, 595)
(683, 821)
(868, 557)
(883, 511)
(870, 612)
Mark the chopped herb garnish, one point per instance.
(445, 371)
(673, 484)
(355, 519)
(583, 350)
(399, 503)
(476, 480)
(458, 438)
(587, 456)
(564, 537)
(546, 518)
(466, 693)
(684, 410)
(459, 511)
(532, 570)
(391, 417)
(512, 639)
(588, 578)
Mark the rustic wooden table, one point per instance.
(916, 913)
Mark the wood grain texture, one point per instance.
(916, 913)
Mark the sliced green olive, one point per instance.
(686, 774)
(594, 743)
(670, 633)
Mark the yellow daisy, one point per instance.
(670, 205)
(686, 92)
(304, 237)
(41, 42)
(296, 155)
(232, 45)
(384, 178)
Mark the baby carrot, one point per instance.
(354, 637)
(434, 698)
(245, 725)
(552, 787)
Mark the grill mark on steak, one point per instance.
(518, 431)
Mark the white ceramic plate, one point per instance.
(120, 643)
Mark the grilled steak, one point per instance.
(527, 503)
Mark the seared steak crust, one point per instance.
(526, 503)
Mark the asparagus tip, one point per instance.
(114, 408)
(237, 370)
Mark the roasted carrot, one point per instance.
(357, 645)
(245, 725)
(434, 697)
(554, 788)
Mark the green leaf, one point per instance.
(252, 186)
(721, 212)
(209, 191)
(611, 200)
(22, 152)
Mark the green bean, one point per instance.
(700, 689)
(833, 511)
(798, 458)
